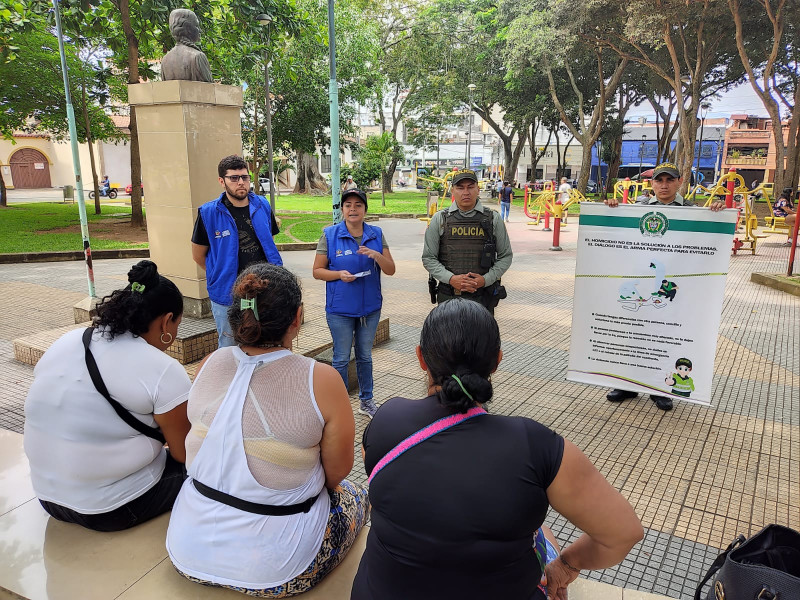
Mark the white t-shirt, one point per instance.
(82, 455)
(565, 189)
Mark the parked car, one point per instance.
(129, 189)
(263, 185)
(591, 186)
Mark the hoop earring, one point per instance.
(167, 342)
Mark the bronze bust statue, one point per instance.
(185, 61)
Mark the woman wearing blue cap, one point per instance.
(351, 256)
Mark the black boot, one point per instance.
(662, 402)
(620, 395)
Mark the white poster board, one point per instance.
(649, 286)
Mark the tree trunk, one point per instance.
(309, 179)
(85, 111)
(791, 175)
(3, 191)
(388, 175)
(522, 139)
(586, 159)
(137, 218)
(613, 167)
(536, 155)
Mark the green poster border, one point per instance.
(674, 224)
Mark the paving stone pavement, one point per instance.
(696, 476)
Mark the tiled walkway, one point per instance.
(696, 476)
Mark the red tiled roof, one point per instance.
(121, 121)
(35, 134)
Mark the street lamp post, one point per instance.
(717, 163)
(76, 161)
(703, 112)
(471, 87)
(641, 156)
(265, 20)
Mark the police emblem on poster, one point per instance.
(654, 224)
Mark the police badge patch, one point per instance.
(654, 224)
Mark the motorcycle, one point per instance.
(110, 193)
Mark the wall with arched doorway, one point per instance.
(57, 153)
(30, 169)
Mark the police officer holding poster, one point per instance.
(666, 182)
(466, 248)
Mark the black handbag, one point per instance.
(764, 567)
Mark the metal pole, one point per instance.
(333, 95)
(76, 161)
(469, 135)
(270, 165)
(717, 163)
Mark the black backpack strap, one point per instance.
(717, 564)
(100, 385)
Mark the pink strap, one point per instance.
(423, 434)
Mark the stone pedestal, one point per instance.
(185, 128)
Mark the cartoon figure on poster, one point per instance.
(679, 380)
(632, 299)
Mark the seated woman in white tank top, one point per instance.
(266, 509)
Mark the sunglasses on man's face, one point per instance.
(237, 178)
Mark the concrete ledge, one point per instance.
(45, 559)
(37, 257)
(297, 246)
(778, 282)
(70, 255)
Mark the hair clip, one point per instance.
(137, 287)
(463, 389)
(245, 303)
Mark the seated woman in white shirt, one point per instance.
(88, 465)
(266, 510)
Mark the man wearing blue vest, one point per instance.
(231, 233)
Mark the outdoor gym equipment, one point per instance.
(549, 203)
(623, 186)
(732, 187)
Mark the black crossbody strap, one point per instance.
(100, 385)
(254, 507)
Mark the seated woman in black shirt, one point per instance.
(459, 496)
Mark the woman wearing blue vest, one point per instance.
(350, 257)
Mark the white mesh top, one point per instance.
(255, 435)
(281, 424)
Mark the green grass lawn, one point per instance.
(301, 228)
(411, 201)
(20, 225)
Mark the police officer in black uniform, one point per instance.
(467, 249)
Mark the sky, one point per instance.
(741, 99)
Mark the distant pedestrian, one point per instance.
(507, 196)
(565, 188)
(349, 184)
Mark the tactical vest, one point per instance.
(462, 241)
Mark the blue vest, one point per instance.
(222, 260)
(362, 296)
